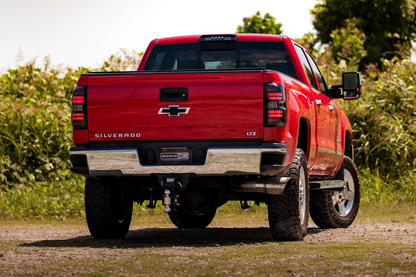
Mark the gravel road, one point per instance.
(394, 232)
(40, 246)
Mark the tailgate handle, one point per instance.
(173, 94)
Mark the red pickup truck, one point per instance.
(208, 119)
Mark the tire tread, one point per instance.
(284, 215)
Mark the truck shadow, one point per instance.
(170, 237)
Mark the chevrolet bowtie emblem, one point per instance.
(174, 110)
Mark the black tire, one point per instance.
(183, 220)
(289, 213)
(338, 209)
(108, 209)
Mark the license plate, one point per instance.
(174, 156)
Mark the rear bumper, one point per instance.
(218, 161)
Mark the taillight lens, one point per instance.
(274, 105)
(79, 108)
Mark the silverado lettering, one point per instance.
(137, 135)
(264, 127)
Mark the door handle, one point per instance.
(173, 94)
(318, 102)
(330, 107)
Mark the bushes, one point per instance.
(35, 122)
(384, 123)
(35, 137)
(35, 127)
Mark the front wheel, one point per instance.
(338, 209)
(288, 213)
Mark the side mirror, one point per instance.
(350, 88)
(351, 85)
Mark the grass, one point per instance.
(41, 200)
(231, 215)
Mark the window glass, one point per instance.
(321, 81)
(306, 66)
(218, 59)
(268, 55)
(174, 57)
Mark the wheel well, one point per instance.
(303, 139)
(348, 145)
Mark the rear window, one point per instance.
(268, 55)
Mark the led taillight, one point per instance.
(274, 105)
(79, 108)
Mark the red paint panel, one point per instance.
(80, 137)
(222, 106)
(82, 81)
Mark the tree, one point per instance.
(348, 44)
(257, 24)
(389, 27)
(308, 41)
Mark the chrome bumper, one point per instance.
(219, 161)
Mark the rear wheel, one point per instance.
(184, 220)
(338, 209)
(288, 213)
(108, 209)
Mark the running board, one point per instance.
(327, 185)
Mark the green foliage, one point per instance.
(384, 126)
(348, 44)
(43, 200)
(35, 127)
(309, 41)
(124, 60)
(388, 26)
(257, 24)
(35, 137)
(384, 121)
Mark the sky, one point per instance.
(87, 32)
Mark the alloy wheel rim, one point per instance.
(343, 201)
(302, 200)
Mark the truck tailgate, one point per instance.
(219, 105)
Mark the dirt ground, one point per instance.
(38, 249)
(393, 232)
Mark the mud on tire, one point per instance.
(288, 213)
(108, 209)
(338, 209)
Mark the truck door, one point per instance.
(329, 155)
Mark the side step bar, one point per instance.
(327, 185)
